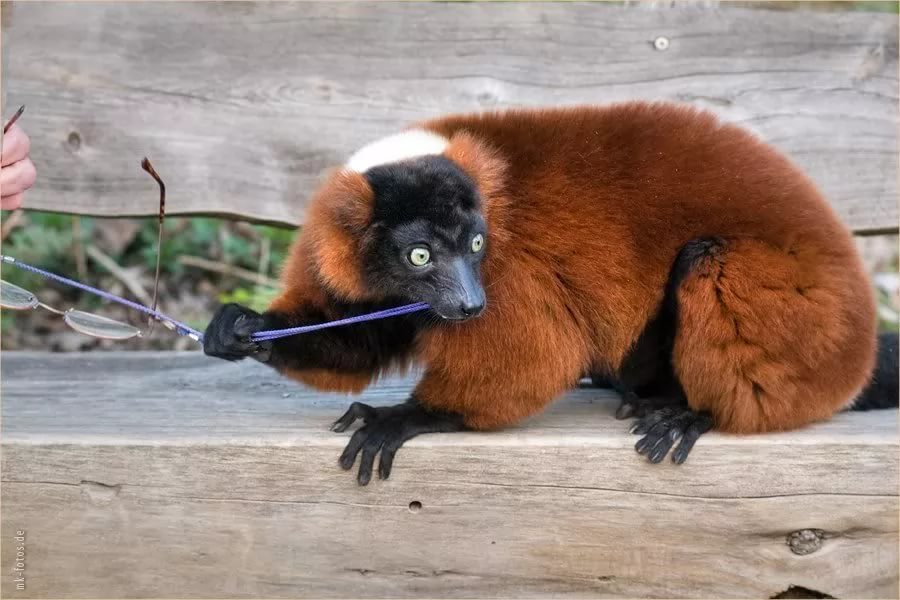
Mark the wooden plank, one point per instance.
(181, 476)
(242, 107)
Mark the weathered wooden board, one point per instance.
(242, 106)
(174, 475)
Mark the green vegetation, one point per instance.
(67, 245)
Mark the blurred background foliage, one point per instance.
(205, 261)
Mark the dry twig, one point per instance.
(11, 222)
(226, 269)
(128, 280)
(78, 247)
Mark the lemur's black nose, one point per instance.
(471, 309)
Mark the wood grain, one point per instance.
(174, 475)
(242, 107)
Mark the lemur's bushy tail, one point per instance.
(882, 391)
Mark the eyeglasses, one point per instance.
(14, 297)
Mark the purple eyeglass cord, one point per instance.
(183, 329)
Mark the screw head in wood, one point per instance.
(661, 43)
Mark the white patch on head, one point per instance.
(396, 148)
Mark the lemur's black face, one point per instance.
(428, 236)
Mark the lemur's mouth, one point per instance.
(461, 314)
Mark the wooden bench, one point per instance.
(173, 475)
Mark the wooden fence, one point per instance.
(243, 106)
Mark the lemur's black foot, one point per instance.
(663, 427)
(633, 406)
(385, 429)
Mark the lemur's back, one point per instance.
(611, 193)
(664, 172)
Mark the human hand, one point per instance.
(17, 172)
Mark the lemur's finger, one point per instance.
(659, 451)
(692, 433)
(357, 410)
(387, 457)
(348, 456)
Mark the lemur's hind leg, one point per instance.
(662, 410)
(771, 337)
(646, 379)
(384, 430)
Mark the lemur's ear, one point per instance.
(335, 228)
(350, 200)
(480, 161)
(487, 167)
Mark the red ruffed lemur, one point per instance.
(646, 244)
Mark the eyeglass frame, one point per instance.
(34, 303)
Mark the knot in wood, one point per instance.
(74, 140)
(805, 541)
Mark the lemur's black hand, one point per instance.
(228, 334)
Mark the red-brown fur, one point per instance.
(586, 209)
(324, 257)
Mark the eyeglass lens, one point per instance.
(100, 327)
(15, 298)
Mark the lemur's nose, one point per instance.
(470, 309)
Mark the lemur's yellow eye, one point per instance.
(419, 256)
(477, 243)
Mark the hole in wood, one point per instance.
(415, 506)
(798, 591)
(74, 140)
